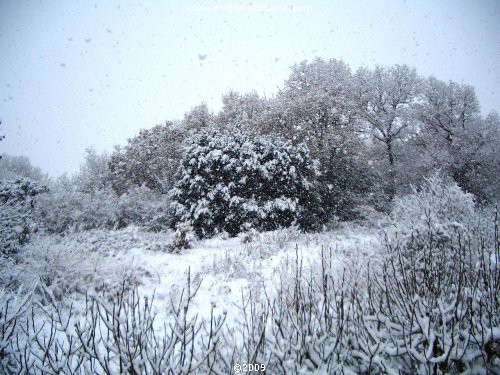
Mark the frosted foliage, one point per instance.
(183, 236)
(151, 159)
(318, 106)
(17, 204)
(437, 203)
(428, 222)
(435, 302)
(66, 209)
(246, 110)
(95, 173)
(12, 167)
(228, 179)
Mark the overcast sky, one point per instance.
(75, 74)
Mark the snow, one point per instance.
(229, 273)
(228, 269)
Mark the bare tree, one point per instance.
(387, 98)
(448, 107)
(318, 104)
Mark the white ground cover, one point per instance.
(226, 269)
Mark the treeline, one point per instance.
(368, 136)
(374, 132)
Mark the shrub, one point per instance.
(228, 179)
(67, 208)
(71, 265)
(183, 236)
(118, 333)
(425, 222)
(435, 301)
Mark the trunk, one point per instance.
(390, 155)
(391, 184)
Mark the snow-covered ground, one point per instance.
(227, 272)
(319, 299)
(226, 269)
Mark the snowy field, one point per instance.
(224, 268)
(413, 291)
(410, 293)
(230, 274)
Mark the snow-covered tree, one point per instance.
(387, 98)
(13, 167)
(318, 103)
(17, 202)
(150, 158)
(242, 110)
(228, 179)
(95, 173)
(196, 119)
(319, 106)
(455, 138)
(448, 107)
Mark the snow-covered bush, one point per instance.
(304, 323)
(183, 236)
(92, 264)
(143, 207)
(116, 333)
(426, 224)
(437, 205)
(248, 234)
(434, 305)
(13, 308)
(228, 179)
(17, 203)
(67, 208)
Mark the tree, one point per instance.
(458, 140)
(387, 99)
(229, 179)
(17, 202)
(12, 167)
(151, 159)
(95, 173)
(241, 110)
(318, 103)
(448, 107)
(196, 119)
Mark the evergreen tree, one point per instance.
(228, 180)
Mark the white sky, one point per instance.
(75, 74)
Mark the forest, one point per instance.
(345, 225)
